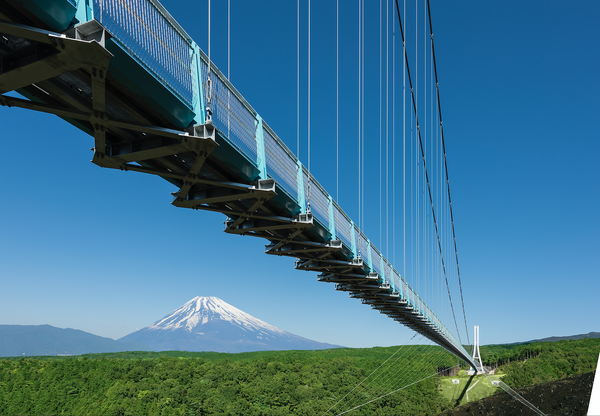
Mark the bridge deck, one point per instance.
(153, 121)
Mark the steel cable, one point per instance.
(378, 383)
(373, 372)
(418, 132)
(409, 377)
(515, 395)
(446, 168)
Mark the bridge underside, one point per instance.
(71, 76)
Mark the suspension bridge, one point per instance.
(127, 74)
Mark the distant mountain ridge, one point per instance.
(554, 339)
(567, 338)
(27, 340)
(211, 324)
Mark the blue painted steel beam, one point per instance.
(261, 160)
(198, 91)
(300, 182)
(85, 11)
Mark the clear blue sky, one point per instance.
(104, 251)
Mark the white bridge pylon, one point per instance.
(476, 353)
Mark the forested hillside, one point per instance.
(539, 362)
(258, 383)
(263, 383)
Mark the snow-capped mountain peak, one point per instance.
(203, 309)
(210, 324)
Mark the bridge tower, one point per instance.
(476, 353)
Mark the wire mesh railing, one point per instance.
(376, 261)
(231, 116)
(319, 201)
(281, 164)
(343, 225)
(144, 29)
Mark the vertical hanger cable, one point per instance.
(446, 167)
(308, 117)
(337, 100)
(426, 175)
(298, 80)
(380, 138)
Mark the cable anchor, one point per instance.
(208, 99)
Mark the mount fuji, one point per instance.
(210, 324)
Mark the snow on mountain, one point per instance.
(211, 324)
(201, 310)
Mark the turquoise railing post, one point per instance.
(300, 182)
(261, 161)
(403, 286)
(354, 253)
(84, 12)
(400, 288)
(198, 91)
(369, 258)
(331, 219)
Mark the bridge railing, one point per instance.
(148, 32)
(232, 114)
(343, 225)
(281, 163)
(237, 120)
(319, 202)
(158, 43)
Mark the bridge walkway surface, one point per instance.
(126, 73)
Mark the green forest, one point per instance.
(258, 383)
(535, 363)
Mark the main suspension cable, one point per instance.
(446, 168)
(418, 132)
